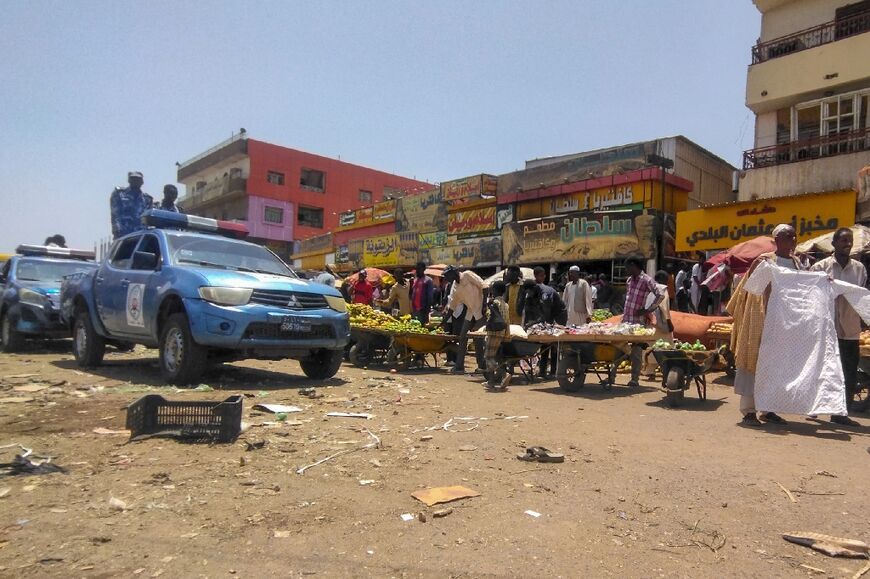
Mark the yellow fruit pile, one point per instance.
(864, 340)
(366, 317)
(720, 328)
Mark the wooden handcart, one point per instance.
(408, 348)
(602, 354)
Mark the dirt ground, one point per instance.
(644, 490)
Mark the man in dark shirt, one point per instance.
(553, 312)
(422, 294)
(170, 194)
(127, 206)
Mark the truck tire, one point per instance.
(182, 360)
(88, 346)
(674, 384)
(571, 373)
(10, 339)
(322, 364)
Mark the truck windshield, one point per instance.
(49, 271)
(224, 254)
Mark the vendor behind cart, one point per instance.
(638, 309)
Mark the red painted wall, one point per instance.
(342, 237)
(342, 183)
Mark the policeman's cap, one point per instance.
(138, 174)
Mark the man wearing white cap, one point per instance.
(578, 298)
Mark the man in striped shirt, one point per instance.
(638, 287)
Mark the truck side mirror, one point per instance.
(145, 260)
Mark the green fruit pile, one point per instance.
(366, 317)
(601, 315)
(678, 345)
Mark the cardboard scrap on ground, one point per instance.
(831, 546)
(31, 388)
(109, 431)
(440, 495)
(277, 408)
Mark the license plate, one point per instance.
(294, 324)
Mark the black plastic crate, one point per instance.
(215, 421)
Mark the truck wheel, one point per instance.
(88, 346)
(571, 373)
(182, 360)
(322, 364)
(674, 385)
(11, 339)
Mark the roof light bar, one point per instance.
(61, 252)
(162, 219)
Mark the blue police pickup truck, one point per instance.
(190, 287)
(31, 282)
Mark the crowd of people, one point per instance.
(466, 305)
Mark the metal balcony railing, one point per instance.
(811, 37)
(213, 191)
(827, 146)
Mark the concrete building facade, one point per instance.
(282, 194)
(808, 85)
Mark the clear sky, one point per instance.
(433, 90)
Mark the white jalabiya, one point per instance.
(799, 368)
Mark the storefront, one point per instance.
(723, 226)
(314, 253)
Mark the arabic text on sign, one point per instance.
(802, 228)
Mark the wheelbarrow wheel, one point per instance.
(571, 373)
(674, 384)
(359, 355)
(397, 359)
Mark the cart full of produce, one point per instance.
(379, 338)
(683, 364)
(596, 347)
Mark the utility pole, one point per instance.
(664, 164)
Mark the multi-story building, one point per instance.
(809, 87)
(711, 176)
(282, 194)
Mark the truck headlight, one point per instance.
(226, 296)
(337, 303)
(33, 298)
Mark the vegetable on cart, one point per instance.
(681, 367)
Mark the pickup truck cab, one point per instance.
(186, 287)
(30, 282)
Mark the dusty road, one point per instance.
(644, 491)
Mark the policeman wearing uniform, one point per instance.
(170, 194)
(128, 204)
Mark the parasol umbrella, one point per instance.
(823, 243)
(527, 274)
(436, 270)
(741, 256)
(374, 275)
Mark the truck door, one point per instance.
(140, 302)
(110, 285)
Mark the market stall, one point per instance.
(379, 338)
(599, 347)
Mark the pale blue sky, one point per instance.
(433, 90)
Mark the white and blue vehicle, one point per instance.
(31, 282)
(189, 287)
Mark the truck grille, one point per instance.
(265, 330)
(289, 300)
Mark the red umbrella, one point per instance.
(373, 274)
(741, 256)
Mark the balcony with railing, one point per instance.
(215, 191)
(808, 149)
(812, 37)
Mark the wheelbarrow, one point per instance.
(370, 346)
(680, 368)
(409, 347)
(578, 358)
(515, 353)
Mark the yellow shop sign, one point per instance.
(727, 225)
